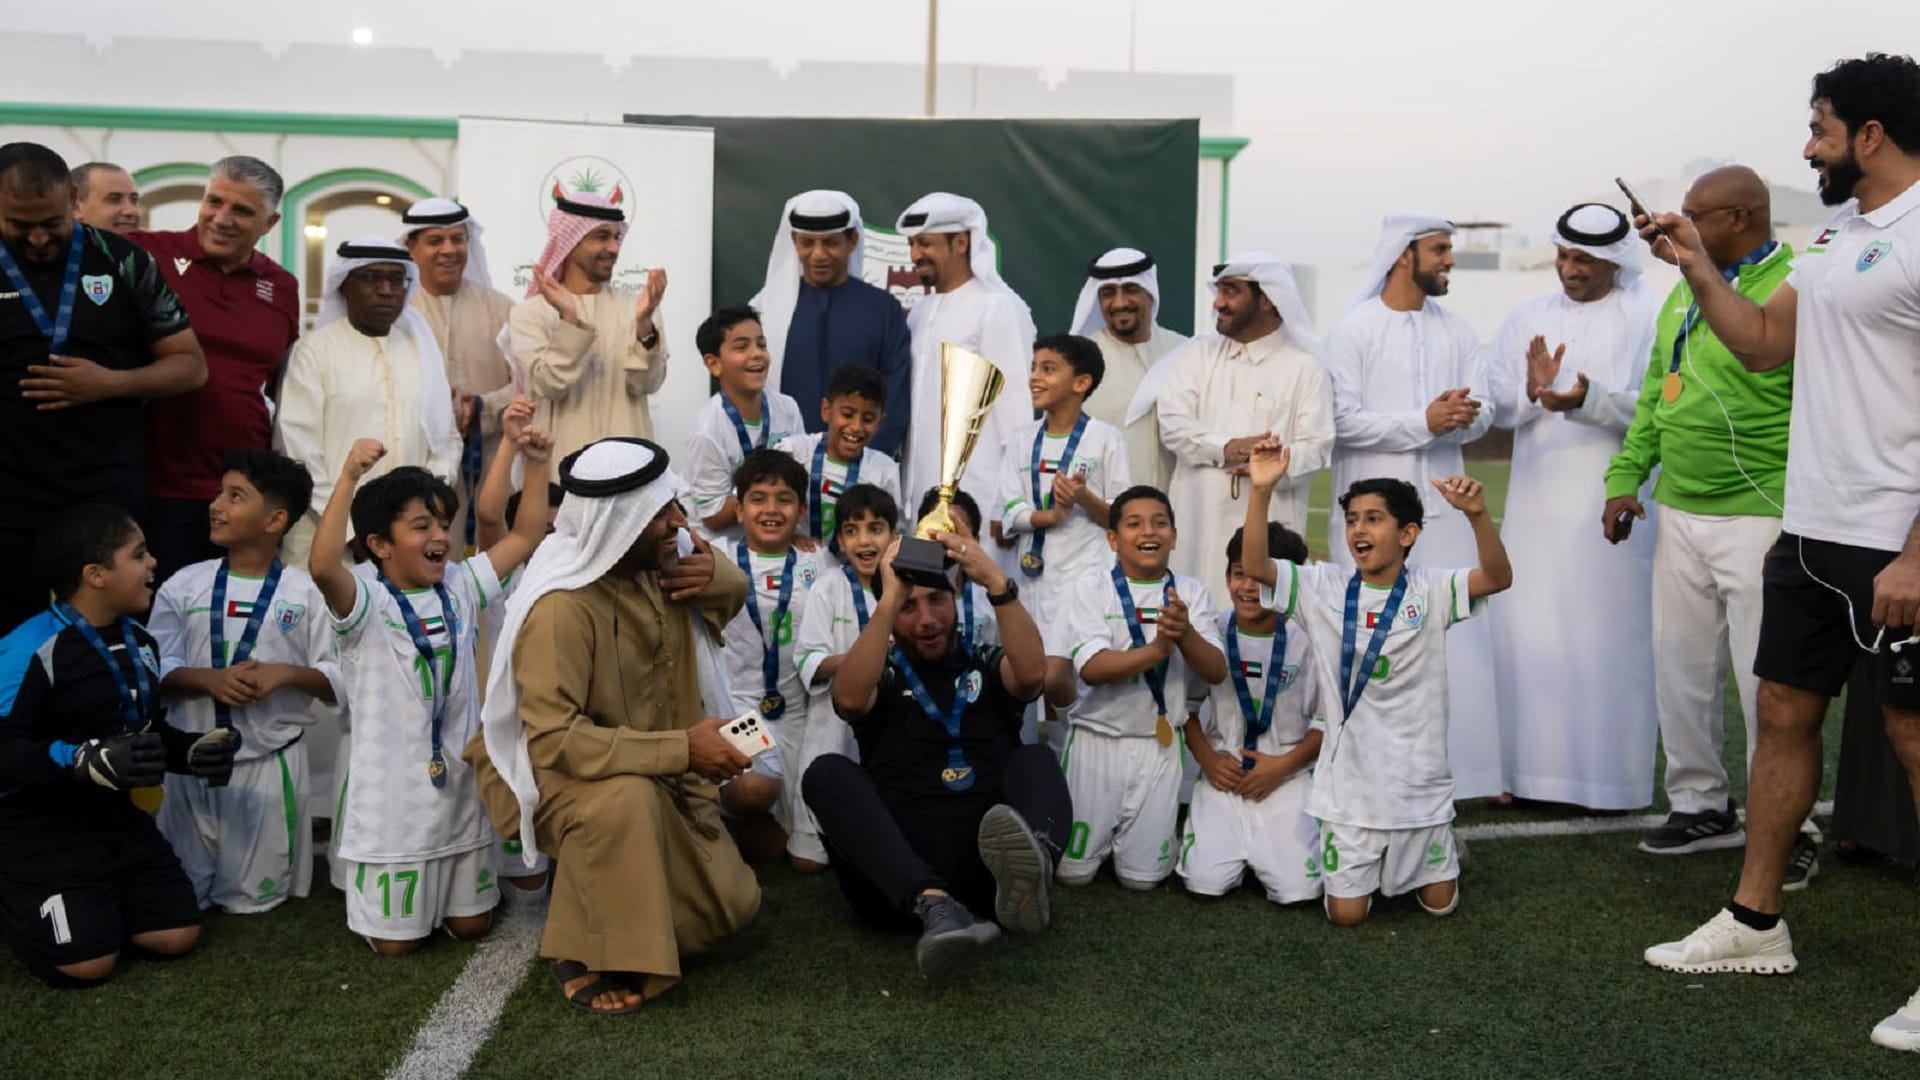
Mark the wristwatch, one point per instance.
(1002, 599)
(652, 338)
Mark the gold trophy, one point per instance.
(969, 384)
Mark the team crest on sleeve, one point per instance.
(96, 287)
(1870, 256)
(286, 615)
(970, 684)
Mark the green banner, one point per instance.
(1057, 193)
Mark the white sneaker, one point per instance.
(1724, 943)
(1901, 1031)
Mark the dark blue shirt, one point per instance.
(851, 322)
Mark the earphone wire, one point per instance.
(1800, 543)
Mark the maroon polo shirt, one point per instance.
(246, 321)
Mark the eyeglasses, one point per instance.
(1696, 215)
(397, 281)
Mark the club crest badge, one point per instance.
(1872, 255)
(970, 686)
(96, 287)
(286, 616)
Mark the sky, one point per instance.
(1489, 109)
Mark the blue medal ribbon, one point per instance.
(437, 764)
(1156, 675)
(966, 616)
(958, 775)
(1258, 720)
(748, 445)
(1731, 274)
(217, 627)
(772, 705)
(859, 593)
(131, 705)
(56, 328)
(1034, 561)
(1352, 683)
(817, 496)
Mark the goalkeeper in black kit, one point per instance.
(84, 745)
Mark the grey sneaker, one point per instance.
(1901, 1031)
(1804, 864)
(951, 938)
(1686, 834)
(1021, 870)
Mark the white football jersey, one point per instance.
(1079, 543)
(1385, 765)
(713, 452)
(746, 648)
(390, 809)
(1095, 622)
(294, 630)
(1297, 708)
(825, 489)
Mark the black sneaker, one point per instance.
(1804, 864)
(951, 939)
(1686, 834)
(1020, 867)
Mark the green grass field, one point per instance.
(1538, 974)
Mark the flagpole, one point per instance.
(933, 51)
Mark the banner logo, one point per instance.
(888, 266)
(585, 174)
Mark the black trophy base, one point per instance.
(922, 562)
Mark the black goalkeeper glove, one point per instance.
(211, 756)
(121, 762)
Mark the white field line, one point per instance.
(1586, 826)
(465, 1016)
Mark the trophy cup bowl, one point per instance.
(969, 384)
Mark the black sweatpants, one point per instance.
(885, 856)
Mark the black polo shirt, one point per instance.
(93, 452)
(905, 750)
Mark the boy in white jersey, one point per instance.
(1383, 789)
(836, 612)
(743, 416)
(1257, 748)
(1060, 471)
(760, 649)
(1140, 635)
(413, 846)
(839, 458)
(244, 644)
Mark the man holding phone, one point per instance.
(1720, 496)
(1844, 577)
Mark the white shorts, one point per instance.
(1356, 862)
(406, 901)
(1276, 837)
(1126, 799)
(246, 846)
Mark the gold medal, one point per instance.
(1670, 387)
(147, 798)
(1162, 731)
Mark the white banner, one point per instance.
(509, 173)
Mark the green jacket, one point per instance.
(1689, 438)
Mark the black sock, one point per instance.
(1755, 919)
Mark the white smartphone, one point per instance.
(747, 734)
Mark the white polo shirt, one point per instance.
(1853, 449)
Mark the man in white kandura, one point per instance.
(467, 313)
(1408, 391)
(1573, 640)
(1119, 310)
(1259, 373)
(971, 307)
(370, 369)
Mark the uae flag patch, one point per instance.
(239, 609)
(1252, 669)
